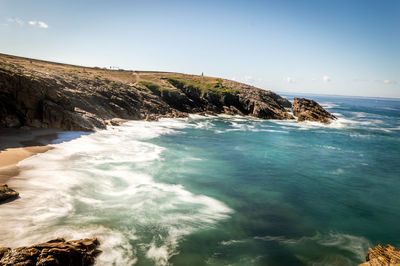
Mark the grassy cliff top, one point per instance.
(145, 79)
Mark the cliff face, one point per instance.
(51, 95)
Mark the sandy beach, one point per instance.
(19, 144)
(9, 159)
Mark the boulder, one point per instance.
(309, 110)
(7, 193)
(54, 252)
(380, 255)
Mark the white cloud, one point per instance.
(39, 24)
(16, 21)
(290, 80)
(20, 22)
(326, 79)
(387, 81)
(43, 25)
(248, 78)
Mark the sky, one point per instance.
(341, 47)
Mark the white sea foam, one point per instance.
(356, 245)
(101, 185)
(329, 105)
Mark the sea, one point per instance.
(219, 190)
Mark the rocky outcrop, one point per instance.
(309, 110)
(50, 95)
(55, 252)
(7, 194)
(380, 256)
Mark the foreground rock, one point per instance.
(380, 256)
(7, 193)
(55, 252)
(51, 95)
(309, 110)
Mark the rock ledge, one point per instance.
(54, 252)
(380, 255)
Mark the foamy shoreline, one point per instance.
(9, 159)
(19, 144)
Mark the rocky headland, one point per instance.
(51, 95)
(40, 94)
(309, 110)
(54, 252)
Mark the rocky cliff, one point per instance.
(55, 252)
(52, 95)
(305, 109)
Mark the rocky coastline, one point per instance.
(54, 252)
(50, 95)
(309, 110)
(40, 94)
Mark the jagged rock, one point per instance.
(54, 252)
(49, 95)
(310, 110)
(379, 256)
(7, 193)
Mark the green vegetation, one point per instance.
(155, 88)
(150, 86)
(203, 87)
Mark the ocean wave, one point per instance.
(311, 249)
(102, 185)
(329, 105)
(356, 245)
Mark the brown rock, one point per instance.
(51, 95)
(54, 252)
(380, 256)
(309, 110)
(7, 193)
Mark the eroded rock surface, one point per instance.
(309, 110)
(7, 193)
(50, 95)
(380, 256)
(55, 252)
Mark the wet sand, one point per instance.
(9, 159)
(19, 144)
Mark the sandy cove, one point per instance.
(19, 144)
(9, 159)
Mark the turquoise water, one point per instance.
(221, 190)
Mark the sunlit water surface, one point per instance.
(220, 190)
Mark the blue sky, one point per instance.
(329, 47)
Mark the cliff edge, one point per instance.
(52, 95)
